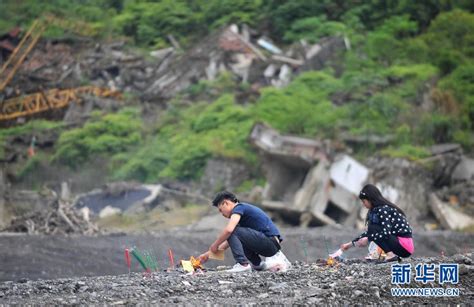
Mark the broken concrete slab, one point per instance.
(302, 182)
(320, 197)
(326, 50)
(315, 176)
(300, 150)
(440, 149)
(288, 60)
(265, 43)
(349, 174)
(460, 194)
(343, 199)
(408, 182)
(449, 217)
(464, 170)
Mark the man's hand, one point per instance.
(226, 233)
(204, 257)
(214, 247)
(346, 246)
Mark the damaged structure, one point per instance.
(309, 185)
(303, 184)
(237, 51)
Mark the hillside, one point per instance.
(120, 119)
(404, 76)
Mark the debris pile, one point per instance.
(460, 196)
(60, 218)
(304, 183)
(246, 54)
(239, 52)
(310, 184)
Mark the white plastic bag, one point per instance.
(277, 263)
(375, 252)
(336, 254)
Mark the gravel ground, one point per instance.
(35, 257)
(90, 270)
(352, 282)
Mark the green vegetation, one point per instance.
(399, 50)
(406, 151)
(30, 129)
(103, 135)
(187, 137)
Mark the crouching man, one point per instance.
(250, 233)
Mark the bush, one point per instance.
(303, 107)
(407, 151)
(385, 43)
(109, 134)
(450, 37)
(187, 138)
(313, 28)
(461, 84)
(437, 128)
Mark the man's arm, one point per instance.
(225, 234)
(224, 246)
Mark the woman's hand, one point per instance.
(346, 246)
(362, 242)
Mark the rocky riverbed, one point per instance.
(351, 282)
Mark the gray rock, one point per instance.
(263, 295)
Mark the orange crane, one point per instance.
(26, 44)
(51, 99)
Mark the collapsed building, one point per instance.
(309, 185)
(303, 182)
(242, 52)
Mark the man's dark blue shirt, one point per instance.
(254, 218)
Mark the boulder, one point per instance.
(448, 216)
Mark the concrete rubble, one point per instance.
(237, 52)
(57, 64)
(309, 185)
(449, 217)
(303, 183)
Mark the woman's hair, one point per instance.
(372, 194)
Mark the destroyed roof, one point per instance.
(195, 63)
(272, 142)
